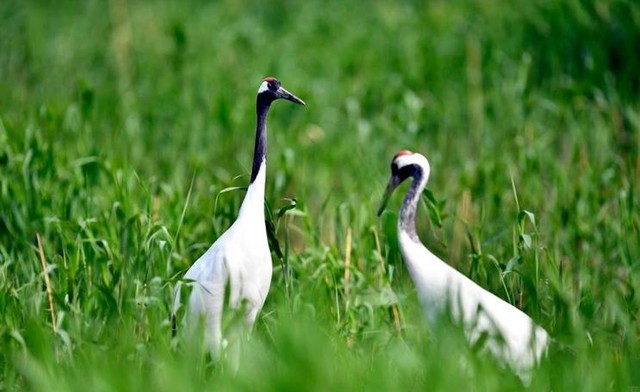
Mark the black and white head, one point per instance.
(270, 90)
(405, 164)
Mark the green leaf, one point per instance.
(293, 203)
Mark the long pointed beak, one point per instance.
(284, 94)
(391, 186)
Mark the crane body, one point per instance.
(511, 336)
(234, 274)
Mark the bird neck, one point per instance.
(252, 207)
(260, 151)
(407, 222)
(253, 203)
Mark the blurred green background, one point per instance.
(121, 122)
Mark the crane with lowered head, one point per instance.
(511, 336)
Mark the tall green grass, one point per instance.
(122, 122)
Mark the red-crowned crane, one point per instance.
(512, 337)
(234, 274)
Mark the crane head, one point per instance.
(404, 164)
(271, 89)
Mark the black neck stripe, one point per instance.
(260, 152)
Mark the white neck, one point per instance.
(431, 276)
(407, 221)
(253, 204)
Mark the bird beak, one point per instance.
(284, 94)
(394, 181)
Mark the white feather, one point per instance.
(263, 87)
(415, 159)
(513, 337)
(240, 257)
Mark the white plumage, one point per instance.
(238, 264)
(512, 336)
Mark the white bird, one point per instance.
(512, 337)
(238, 264)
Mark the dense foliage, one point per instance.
(121, 123)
